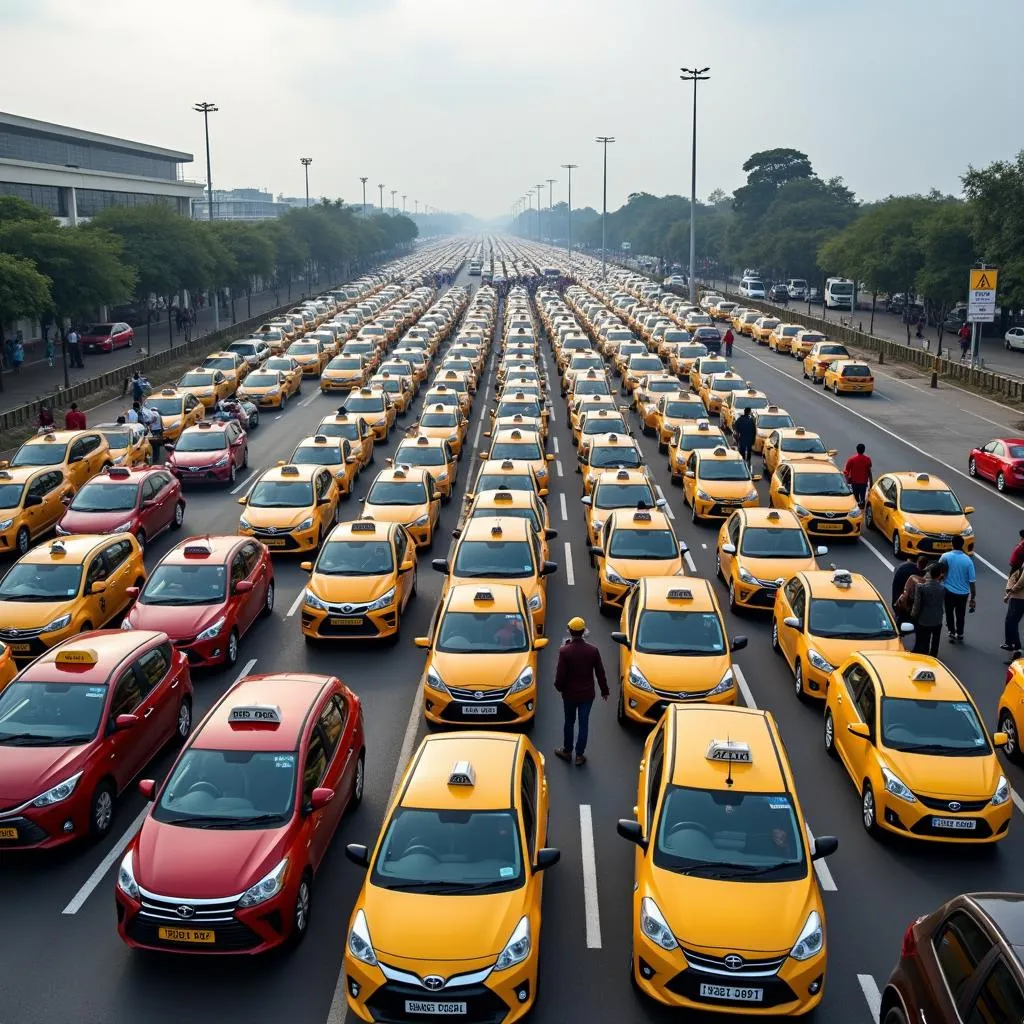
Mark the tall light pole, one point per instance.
(604, 140)
(551, 216)
(695, 75)
(394, 192)
(381, 187)
(206, 109)
(364, 181)
(417, 202)
(306, 161)
(403, 203)
(568, 241)
(540, 192)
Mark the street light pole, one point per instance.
(570, 168)
(551, 216)
(381, 187)
(417, 202)
(306, 161)
(206, 109)
(394, 192)
(403, 203)
(364, 181)
(695, 75)
(540, 191)
(604, 140)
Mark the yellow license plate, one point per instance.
(346, 622)
(8, 833)
(943, 547)
(830, 526)
(20, 648)
(186, 934)
(274, 542)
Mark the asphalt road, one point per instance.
(63, 966)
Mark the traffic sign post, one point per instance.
(981, 305)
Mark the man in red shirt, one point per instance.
(75, 418)
(858, 474)
(1017, 555)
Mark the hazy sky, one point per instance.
(466, 104)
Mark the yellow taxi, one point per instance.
(673, 648)
(355, 429)
(399, 388)
(232, 364)
(595, 422)
(499, 504)
(407, 495)
(458, 382)
(648, 392)
(821, 617)
(716, 482)
(817, 360)
(615, 489)
(735, 402)
(695, 319)
(705, 366)
(209, 386)
(290, 508)
(849, 377)
(269, 389)
(607, 451)
(918, 513)
(758, 550)
(336, 453)
(501, 551)
(8, 666)
(724, 864)
(79, 454)
(375, 406)
(634, 543)
(772, 417)
(744, 324)
(1011, 710)
(640, 366)
(520, 445)
(789, 444)
(508, 476)
(691, 437)
(66, 587)
(909, 735)
(761, 329)
(360, 583)
(781, 339)
(672, 411)
(804, 342)
(435, 455)
(32, 502)
(817, 492)
(583, 406)
(178, 411)
(129, 443)
(682, 355)
(482, 665)
(310, 354)
(716, 386)
(291, 371)
(445, 423)
(448, 921)
(344, 372)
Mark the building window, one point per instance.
(91, 201)
(48, 197)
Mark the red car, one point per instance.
(1001, 460)
(145, 501)
(188, 596)
(107, 337)
(78, 725)
(226, 859)
(209, 451)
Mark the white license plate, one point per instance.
(959, 824)
(435, 1009)
(733, 992)
(479, 709)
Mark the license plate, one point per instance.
(274, 542)
(958, 824)
(204, 935)
(479, 709)
(733, 992)
(8, 833)
(830, 526)
(346, 622)
(436, 1009)
(942, 546)
(20, 648)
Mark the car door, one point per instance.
(793, 597)
(732, 536)
(406, 578)
(166, 501)
(849, 703)
(257, 574)
(95, 454)
(690, 479)
(131, 748)
(159, 708)
(55, 491)
(34, 505)
(996, 455)
(119, 575)
(242, 602)
(314, 772)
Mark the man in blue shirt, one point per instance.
(959, 586)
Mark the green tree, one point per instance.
(767, 172)
(24, 292)
(948, 252)
(12, 209)
(253, 255)
(290, 254)
(995, 197)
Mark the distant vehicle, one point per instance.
(838, 293)
(1014, 339)
(797, 288)
(752, 288)
(107, 337)
(814, 296)
(475, 267)
(779, 293)
(551, 273)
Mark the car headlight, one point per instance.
(811, 939)
(434, 681)
(613, 577)
(452, 438)
(751, 495)
(120, 528)
(422, 521)
(639, 680)
(211, 631)
(382, 602)
(304, 525)
(724, 684)
(597, 525)
(801, 511)
(6, 524)
(517, 949)
(818, 661)
(126, 877)
(1002, 793)
(855, 513)
(309, 598)
(746, 576)
(266, 888)
(126, 624)
(274, 391)
(120, 460)
(969, 532)
(897, 787)
(703, 495)
(55, 794)
(59, 623)
(244, 524)
(909, 528)
(523, 681)
(359, 944)
(654, 926)
(442, 477)
(222, 462)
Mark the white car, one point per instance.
(1014, 339)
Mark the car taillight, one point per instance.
(909, 947)
(1009, 673)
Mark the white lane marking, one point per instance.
(825, 879)
(988, 564)
(871, 994)
(247, 482)
(115, 853)
(590, 904)
(978, 416)
(1018, 802)
(558, 467)
(564, 510)
(570, 576)
(878, 554)
(411, 728)
(668, 507)
(476, 436)
(691, 565)
(741, 682)
(309, 401)
(554, 444)
(704, 547)
(295, 604)
(246, 669)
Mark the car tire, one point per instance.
(302, 910)
(972, 467)
(1008, 724)
(775, 636)
(869, 518)
(733, 606)
(358, 783)
(835, 388)
(183, 725)
(897, 551)
(141, 538)
(231, 649)
(284, 402)
(718, 567)
(268, 601)
(894, 1015)
(869, 810)
(179, 516)
(101, 810)
(798, 680)
(245, 458)
(829, 735)
(620, 709)
(1001, 483)
(23, 541)
(234, 473)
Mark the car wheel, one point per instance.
(284, 402)
(245, 458)
(895, 1014)
(897, 551)
(718, 565)
(23, 541)
(141, 538)
(234, 473)
(775, 636)
(1008, 724)
(798, 681)
(972, 467)
(268, 601)
(733, 606)
(869, 518)
(1000, 483)
(620, 708)
(184, 726)
(303, 908)
(231, 652)
(830, 734)
(694, 518)
(101, 810)
(358, 783)
(835, 388)
(868, 810)
(179, 515)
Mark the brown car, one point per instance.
(961, 964)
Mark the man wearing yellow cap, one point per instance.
(579, 664)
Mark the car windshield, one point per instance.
(724, 469)
(507, 559)
(592, 387)
(825, 485)
(303, 348)
(420, 455)
(165, 406)
(806, 445)
(753, 404)
(708, 332)
(648, 544)
(356, 558)
(345, 363)
(603, 425)
(438, 419)
(317, 455)
(196, 380)
(530, 410)
(851, 619)
(229, 789)
(605, 455)
(41, 454)
(771, 542)
(10, 495)
(623, 496)
(97, 497)
(942, 727)
(646, 363)
(727, 384)
(262, 380)
(588, 362)
(505, 482)
(509, 513)
(702, 442)
(935, 503)
(191, 583)
(685, 350)
(773, 421)
(482, 633)
(118, 439)
(397, 492)
(679, 632)
(832, 350)
(220, 363)
(40, 581)
(202, 441)
(686, 410)
(375, 404)
(100, 329)
(282, 494)
(50, 714)
(856, 371)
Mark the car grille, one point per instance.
(366, 627)
(489, 696)
(831, 519)
(461, 698)
(19, 634)
(723, 508)
(483, 1006)
(29, 833)
(759, 968)
(232, 936)
(962, 806)
(764, 597)
(924, 827)
(687, 984)
(674, 695)
(206, 913)
(290, 543)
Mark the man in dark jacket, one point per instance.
(579, 663)
(745, 431)
(927, 611)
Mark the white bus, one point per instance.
(475, 267)
(838, 293)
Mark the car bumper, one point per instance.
(380, 430)
(711, 508)
(922, 544)
(918, 821)
(311, 370)
(204, 653)
(26, 649)
(359, 625)
(821, 526)
(266, 401)
(333, 384)
(856, 389)
(754, 595)
(644, 707)
(201, 474)
(42, 828)
(285, 541)
(447, 709)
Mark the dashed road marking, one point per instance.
(558, 467)
(871, 994)
(589, 859)
(309, 401)
(570, 576)
(741, 682)
(564, 510)
(878, 554)
(690, 563)
(295, 604)
(554, 444)
(247, 482)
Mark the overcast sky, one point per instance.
(466, 104)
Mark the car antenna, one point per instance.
(728, 778)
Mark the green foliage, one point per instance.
(24, 291)
(995, 197)
(947, 249)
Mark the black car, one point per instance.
(710, 338)
(778, 293)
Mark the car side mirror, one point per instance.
(132, 592)
(147, 787)
(306, 566)
(906, 627)
(792, 621)
(550, 457)
(728, 549)
(407, 566)
(547, 857)
(968, 510)
(321, 797)
(440, 565)
(358, 854)
(661, 503)
(621, 639)
(824, 846)
(281, 462)
(690, 474)
(860, 729)
(123, 722)
(821, 550)
(738, 643)
(1000, 739)
(98, 587)
(483, 456)
(631, 830)
(550, 534)
(243, 587)
(547, 568)
(243, 499)
(543, 492)
(889, 504)
(148, 503)
(77, 458)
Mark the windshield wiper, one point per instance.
(942, 749)
(740, 871)
(201, 821)
(175, 601)
(255, 819)
(31, 597)
(26, 739)
(439, 888)
(680, 650)
(705, 865)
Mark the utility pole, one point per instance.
(695, 75)
(206, 109)
(417, 202)
(306, 161)
(394, 192)
(540, 191)
(364, 181)
(381, 187)
(570, 168)
(551, 217)
(604, 140)
(403, 203)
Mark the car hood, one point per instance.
(179, 622)
(963, 778)
(836, 650)
(96, 522)
(480, 671)
(938, 524)
(282, 518)
(26, 772)
(350, 589)
(776, 568)
(683, 673)
(826, 502)
(33, 614)
(635, 568)
(404, 514)
(198, 458)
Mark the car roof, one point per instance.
(787, 432)
(72, 550)
(116, 475)
(812, 466)
(719, 454)
(920, 481)
(111, 648)
(58, 436)
(492, 756)
(22, 474)
(208, 426)
(613, 441)
(219, 546)
(403, 473)
(358, 530)
(896, 671)
(498, 498)
(320, 441)
(770, 518)
(639, 519)
(822, 583)
(670, 593)
(487, 597)
(1005, 912)
(290, 471)
(507, 529)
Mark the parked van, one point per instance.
(838, 293)
(797, 288)
(752, 288)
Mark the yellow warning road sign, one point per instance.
(984, 280)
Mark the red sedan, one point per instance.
(107, 337)
(225, 861)
(209, 451)
(1001, 460)
(205, 594)
(78, 725)
(146, 501)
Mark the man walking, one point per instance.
(960, 591)
(903, 589)
(1017, 555)
(926, 611)
(74, 419)
(1014, 600)
(858, 474)
(744, 430)
(579, 663)
(74, 343)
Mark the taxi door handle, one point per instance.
(839, 698)
(148, 712)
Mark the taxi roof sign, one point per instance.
(197, 551)
(622, 474)
(641, 517)
(320, 439)
(842, 578)
(462, 774)
(483, 595)
(923, 675)
(81, 656)
(922, 478)
(289, 471)
(732, 751)
(774, 516)
(678, 594)
(507, 464)
(703, 425)
(364, 527)
(118, 473)
(57, 548)
(503, 496)
(255, 714)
